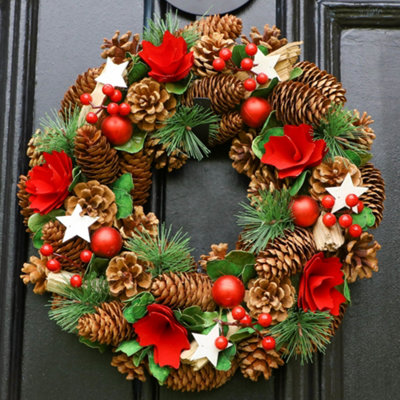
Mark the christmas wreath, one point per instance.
(120, 279)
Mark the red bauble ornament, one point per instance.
(85, 99)
(360, 206)
(53, 265)
(46, 250)
(246, 64)
(113, 108)
(250, 49)
(305, 210)
(268, 343)
(124, 109)
(228, 291)
(238, 313)
(265, 320)
(249, 84)
(91, 118)
(76, 281)
(355, 230)
(255, 111)
(218, 64)
(262, 78)
(86, 256)
(221, 342)
(329, 219)
(345, 220)
(106, 242)
(351, 200)
(225, 54)
(116, 96)
(328, 201)
(118, 130)
(108, 89)
(246, 320)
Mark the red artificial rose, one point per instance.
(294, 151)
(48, 183)
(161, 329)
(170, 61)
(317, 285)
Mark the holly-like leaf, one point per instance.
(258, 143)
(97, 265)
(295, 73)
(225, 358)
(93, 345)
(240, 257)
(298, 183)
(160, 373)
(122, 189)
(179, 87)
(138, 71)
(129, 347)
(217, 268)
(365, 218)
(134, 144)
(248, 273)
(264, 92)
(241, 334)
(263, 49)
(36, 223)
(238, 53)
(138, 307)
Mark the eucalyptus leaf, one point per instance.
(295, 73)
(238, 53)
(225, 358)
(263, 49)
(138, 307)
(265, 92)
(179, 87)
(365, 218)
(134, 144)
(122, 189)
(217, 268)
(93, 345)
(298, 183)
(240, 257)
(248, 273)
(160, 373)
(129, 347)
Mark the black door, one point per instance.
(44, 44)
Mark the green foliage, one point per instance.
(265, 92)
(129, 347)
(137, 307)
(301, 332)
(134, 144)
(366, 218)
(77, 176)
(97, 265)
(194, 319)
(36, 222)
(160, 373)
(93, 345)
(267, 219)
(242, 334)
(238, 53)
(179, 87)
(225, 358)
(295, 73)
(138, 70)
(298, 183)
(177, 134)
(122, 189)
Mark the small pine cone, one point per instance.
(269, 39)
(96, 200)
(366, 134)
(266, 178)
(218, 252)
(53, 234)
(375, 196)
(186, 379)
(23, 201)
(297, 103)
(150, 103)
(337, 319)
(361, 259)
(332, 173)
(272, 296)
(94, 154)
(137, 164)
(35, 156)
(126, 367)
(35, 272)
(254, 361)
(117, 47)
(224, 91)
(183, 290)
(229, 25)
(230, 126)
(206, 50)
(244, 159)
(127, 276)
(286, 255)
(326, 83)
(106, 326)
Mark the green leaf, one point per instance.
(241, 334)
(138, 307)
(259, 142)
(365, 157)
(365, 218)
(179, 87)
(354, 157)
(134, 144)
(129, 347)
(295, 73)
(264, 92)
(122, 189)
(263, 49)
(248, 273)
(160, 373)
(346, 290)
(298, 183)
(77, 177)
(140, 355)
(93, 345)
(238, 53)
(138, 71)
(195, 319)
(240, 257)
(97, 265)
(217, 268)
(225, 358)
(37, 240)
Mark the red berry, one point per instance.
(91, 118)
(218, 64)
(249, 84)
(238, 313)
(352, 200)
(246, 64)
(265, 320)
(53, 265)
(46, 250)
(85, 99)
(108, 89)
(113, 108)
(268, 343)
(329, 219)
(116, 96)
(251, 49)
(355, 230)
(246, 320)
(86, 256)
(225, 54)
(328, 201)
(345, 220)
(76, 281)
(221, 342)
(262, 78)
(124, 109)
(360, 206)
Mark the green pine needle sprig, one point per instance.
(268, 217)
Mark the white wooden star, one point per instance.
(265, 63)
(341, 192)
(113, 74)
(77, 225)
(207, 346)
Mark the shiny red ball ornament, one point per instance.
(225, 54)
(116, 96)
(255, 111)
(246, 320)
(91, 118)
(345, 220)
(218, 64)
(250, 49)
(53, 265)
(76, 281)
(249, 84)
(360, 206)
(106, 242)
(221, 342)
(305, 211)
(113, 108)
(238, 313)
(228, 291)
(262, 78)
(85, 99)
(355, 230)
(246, 64)
(268, 343)
(118, 130)
(124, 109)
(351, 200)
(328, 201)
(108, 89)
(85, 256)
(46, 250)
(265, 320)
(329, 219)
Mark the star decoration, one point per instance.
(265, 63)
(77, 225)
(207, 346)
(341, 192)
(112, 74)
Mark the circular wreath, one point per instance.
(120, 279)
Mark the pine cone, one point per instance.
(269, 39)
(126, 366)
(254, 361)
(224, 91)
(244, 159)
(23, 201)
(35, 272)
(375, 196)
(297, 103)
(150, 103)
(286, 255)
(183, 290)
(366, 135)
(137, 164)
(218, 252)
(117, 47)
(127, 275)
(272, 296)
(266, 178)
(106, 326)
(35, 156)
(96, 200)
(326, 83)
(230, 126)
(94, 154)
(337, 320)
(229, 25)
(332, 173)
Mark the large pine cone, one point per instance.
(127, 275)
(229, 25)
(126, 367)
(266, 178)
(94, 154)
(269, 39)
(242, 155)
(231, 125)
(183, 290)
(106, 326)
(218, 252)
(366, 134)
(23, 201)
(35, 272)
(117, 47)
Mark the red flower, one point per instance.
(48, 183)
(317, 285)
(160, 328)
(294, 151)
(170, 61)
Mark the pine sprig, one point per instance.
(301, 332)
(167, 252)
(177, 133)
(267, 219)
